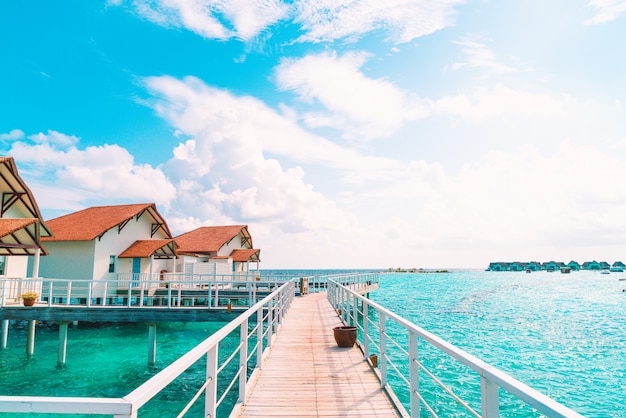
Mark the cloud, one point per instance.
(363, 108)
(606, 10)
(480, 56)
(13, 135)
(329, 20)
(214, 19)
(500, 101)
(102, 173)
(224, 173)
(322, 21)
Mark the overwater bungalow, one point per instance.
(21, 225)
(216, 250)
(129, 242)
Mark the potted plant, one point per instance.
(29, 298)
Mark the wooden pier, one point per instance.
(307, 375)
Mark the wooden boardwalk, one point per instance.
(307, 375)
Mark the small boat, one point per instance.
(527, 270)
(566, 270)
(604, 272)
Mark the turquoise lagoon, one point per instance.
(562, 334)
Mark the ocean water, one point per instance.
(564, 335)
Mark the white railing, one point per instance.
(256, 328)
(399, 362)
(101, 293)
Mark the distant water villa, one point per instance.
(617, 266)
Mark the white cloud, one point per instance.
(104, 172)
(329, 20)
(480, 56)
(362, 107)
(54, 138)
(606, 10)
(501, 101)
(13, 135)
(214, 19)
(322, 21)
(223, 172)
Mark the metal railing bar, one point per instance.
(426, 404)
(230, 386)
(228, 360)
(194, 398)
(447, 389)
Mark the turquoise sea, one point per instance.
(562, 334)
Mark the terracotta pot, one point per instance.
(345, 336)
(29, 302)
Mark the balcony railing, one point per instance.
(255, 329)
(396, 352)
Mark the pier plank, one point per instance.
(307, 375)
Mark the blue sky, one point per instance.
(345, 134)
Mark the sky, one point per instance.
(344, 134)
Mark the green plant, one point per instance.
(29, 295)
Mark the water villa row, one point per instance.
(617, 266)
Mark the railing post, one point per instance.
(366, 333)
(210, 407)
(270, 321)
(355, 311)
(243, 360)
(383, 349)
(489, 398)
(259, 337)
(414, 374)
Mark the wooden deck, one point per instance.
(307, 375)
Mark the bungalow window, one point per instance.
(111, 264)
(3, 262)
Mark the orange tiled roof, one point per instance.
(16, 193)
(90, 223)
(11, 225)
(245, 254)
(208, 239)
(19, 236)
(148, 248)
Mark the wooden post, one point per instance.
(152, 345)
(62, 353)
(30, 338)
(4, 334)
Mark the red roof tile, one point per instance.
(90, 223)
(209, 239)
(244, 255)
(148, 248)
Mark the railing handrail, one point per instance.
(276, 305)
(491, 374)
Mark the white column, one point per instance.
(36, 263)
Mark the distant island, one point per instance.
(555, 266)
(414, 270)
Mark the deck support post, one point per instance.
(4, 334)
(152, 345)
(30, 338)
(414, 375)
(62, 352)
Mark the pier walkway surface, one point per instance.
(307, 375)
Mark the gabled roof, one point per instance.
(208, 239)
(20, 236)
(244, 255)
(91, 223)
(15, 193)
(21, 224)
(160, 248)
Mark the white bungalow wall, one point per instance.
(190, 265)
(67, 260)
(16, 266)
(234, 244)
(113, 243)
